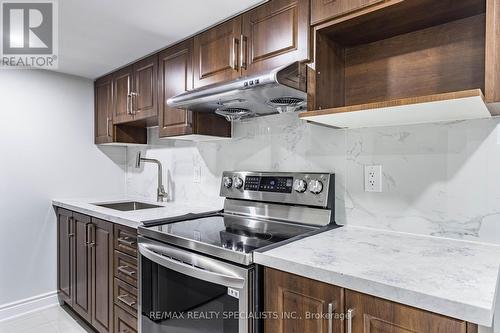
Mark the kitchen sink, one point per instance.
(128, 206)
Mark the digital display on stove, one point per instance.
(269, 184)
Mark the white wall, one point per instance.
(46, 152)
(438, 179)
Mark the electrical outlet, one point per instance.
(197, 174)
(373, 178)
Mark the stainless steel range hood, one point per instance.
(280, 90)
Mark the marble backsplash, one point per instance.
(438, 179)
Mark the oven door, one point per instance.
(185, 292)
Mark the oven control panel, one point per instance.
(293, 188)
(269, 184)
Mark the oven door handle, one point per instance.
(195, 272)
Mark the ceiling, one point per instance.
(98, 36)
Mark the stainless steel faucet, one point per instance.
(161, 194)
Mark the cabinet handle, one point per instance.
(134, 102)
(121, 298)
(107, 126)
(90, 235)
(350, 314)
(126, 241)
(243, 52)
(129, 98)
(234, 60)
(71, 232)
(331, 308)
(127, 270)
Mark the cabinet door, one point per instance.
(176, 77)
(302, 305)
(103, 110)
(375, 315)
(101, 244)
(275, 34)
(145, 92)
(216, 54)
(65, 255)
(82, 275)
(122, 88)
(322, 10)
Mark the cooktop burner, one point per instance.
(234, 233)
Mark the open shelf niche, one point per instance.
(420, 51)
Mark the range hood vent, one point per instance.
(232, 114)
(280, 90)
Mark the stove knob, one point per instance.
(300, 185)
(238, 182)
(315, 186)
(227, 181)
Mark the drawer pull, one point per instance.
(129, 241)
(127, 270)
(122, 298)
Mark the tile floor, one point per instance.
(51, 320)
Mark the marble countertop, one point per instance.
(450, 277)
(131, 218)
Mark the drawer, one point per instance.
(125, 296)
(124, 322)
(322, 10)
(125, 268)
(126, 240)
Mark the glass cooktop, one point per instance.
(233, 233)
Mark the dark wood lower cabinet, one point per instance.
(289, 295)
(102, 275)
(85, 267)
(82, 268)
(301, 305)
(65, 255)
(375, 315)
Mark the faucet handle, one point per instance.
(161, 195)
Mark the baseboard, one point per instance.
(28, 305)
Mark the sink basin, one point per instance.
(128, 206)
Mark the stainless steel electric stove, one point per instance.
(201, 264)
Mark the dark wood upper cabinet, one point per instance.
(322, 10)
(134, 91)
(176, 77)
(65, 255)
(122, 89)
(372, 314)
(274, 34)
(302, 305)
(216, 54)
(144, 90)
(101, 245)
(103, 90)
